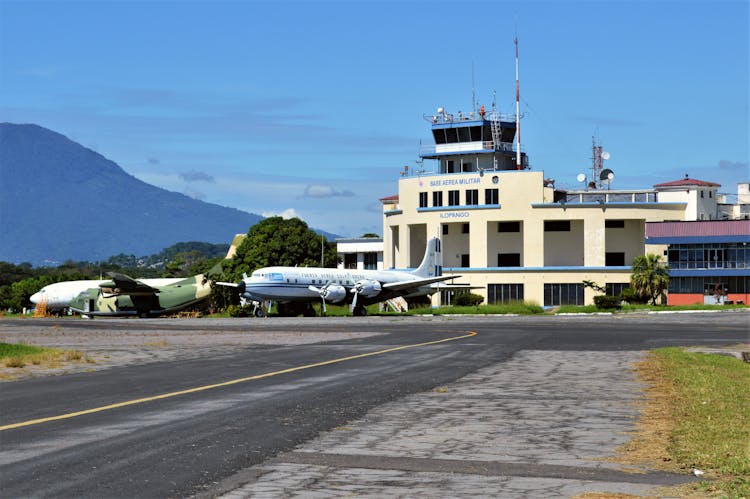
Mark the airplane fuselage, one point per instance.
(293, 283)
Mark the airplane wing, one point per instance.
(126, 285)
(417, 283)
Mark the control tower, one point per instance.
(473, 142)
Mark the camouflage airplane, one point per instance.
(123, 296)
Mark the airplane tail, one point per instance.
(432, 263)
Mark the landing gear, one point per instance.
(359, 311)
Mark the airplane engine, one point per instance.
(367, 288)
(334, 293)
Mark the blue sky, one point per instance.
(313, 108)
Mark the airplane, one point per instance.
(124, 296)
(362, 287)
(57, 296)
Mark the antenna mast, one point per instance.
(518, 113)
(473, 93)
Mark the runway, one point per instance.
(198, 424)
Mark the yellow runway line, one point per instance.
(225, 383)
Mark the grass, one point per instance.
(697, 416)
(17, 355)
(510, 308)
(589, 309)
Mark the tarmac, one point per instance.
(541, 425)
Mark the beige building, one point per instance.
(510, 234)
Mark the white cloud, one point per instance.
(325, 191)
(286, 214)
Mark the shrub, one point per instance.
(468, 300)
(630, 296)
(239, 311)
(607, 302)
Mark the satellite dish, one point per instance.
(607, 174)
(605, 155)
(581, 177)
(440, 110)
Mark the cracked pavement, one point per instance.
(540, 425)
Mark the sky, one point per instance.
(312, 109)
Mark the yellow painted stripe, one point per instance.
(225, 383)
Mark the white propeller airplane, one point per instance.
(363, 287)
(57, 296)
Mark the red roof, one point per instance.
(698, 228)
(389, 198)
(683, 182)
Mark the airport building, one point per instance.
(362, 253)
(511, 235)
(709, 261)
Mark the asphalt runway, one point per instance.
(201, 425)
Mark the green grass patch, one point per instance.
(590, 309)
(18, 355)
(710, 407)
(510, 308)
(579, 309)
(16, 350)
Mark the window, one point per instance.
(557, 226)
(472, 196)
(491, 196)
(701, 194)
(509, 259)
(504, 293)
(615, 288)
(509, 226)
(464, 228)
(423, 200)
(465, 260)
(451, 166)
(563, 294)
(453, 198)
(614, 224)
(445, 229)
(437, 198)
(350, 260)
(614, 259)
(371, 260)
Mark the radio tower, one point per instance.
(518, 113)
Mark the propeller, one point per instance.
(355, 291)
(322, 293)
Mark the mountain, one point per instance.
(61, 201)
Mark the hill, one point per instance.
(61, 201)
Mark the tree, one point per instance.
(276, 241)
(650, 276)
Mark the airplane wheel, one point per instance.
(259, 312)
(360, 311)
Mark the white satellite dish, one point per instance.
(610, 176)
(605, 155)
(440, 110)
(581, 177)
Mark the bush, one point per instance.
(607, 302)
(468, 300)
(629, 295)
(240, 311)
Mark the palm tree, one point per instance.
(650, 276)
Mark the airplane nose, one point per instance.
(35, 298)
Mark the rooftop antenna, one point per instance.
(518, 113)
(473, 93)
